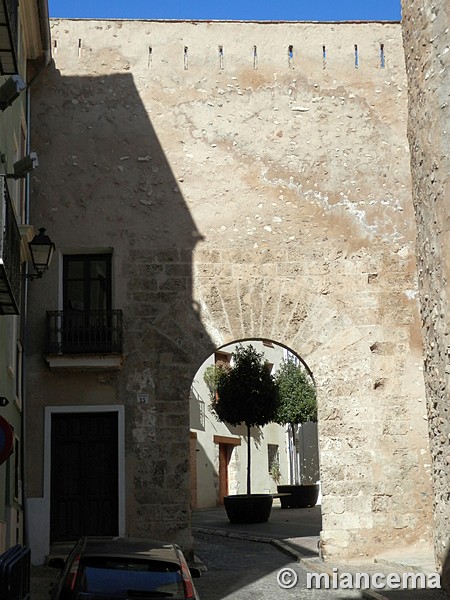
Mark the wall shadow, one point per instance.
(445, 576)
(104, 185)
(414, 594)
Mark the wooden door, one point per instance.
(84, 475)
(224, 459)
(87, 303)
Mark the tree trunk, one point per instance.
(290, 456)
(248, 461)
(296, 480)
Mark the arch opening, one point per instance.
(280, 454)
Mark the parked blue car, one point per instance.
(123, 569)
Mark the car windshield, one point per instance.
(105, 577)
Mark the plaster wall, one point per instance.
(242, 199)
(13, 141)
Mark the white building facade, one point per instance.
(219, 451)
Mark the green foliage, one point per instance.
(275, 471)
(296, 395)
(212, 374)
(246, 393)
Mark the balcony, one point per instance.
(9, 255)
(8, 36)
(84, 339)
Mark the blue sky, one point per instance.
(258, 10)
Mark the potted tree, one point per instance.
(246, 393)
(296, 404)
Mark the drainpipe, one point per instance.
(44, 25)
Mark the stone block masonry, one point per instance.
(244, 194)
(426, 40)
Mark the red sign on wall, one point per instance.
(6, 440)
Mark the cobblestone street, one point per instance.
(244, 570)
(242, 564)
(236, 570)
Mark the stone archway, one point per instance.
(372, 432)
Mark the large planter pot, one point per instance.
(248, 508)
(298, 496)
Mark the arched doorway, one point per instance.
(278, 457)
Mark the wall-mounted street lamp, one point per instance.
(41, 249)
(23, 166)
(10, 90)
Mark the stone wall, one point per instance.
(426, 39)
(245, 194)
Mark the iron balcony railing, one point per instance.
(84, 332)
(9, 255)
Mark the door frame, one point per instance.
(225, 447)
(120, 410)
(224, 460)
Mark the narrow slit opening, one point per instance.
(150, 57)
(324, 57)
(220, 57)
(356, 56)
(255, 57)
(185, 58)
(290, 55)
(382, 57)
